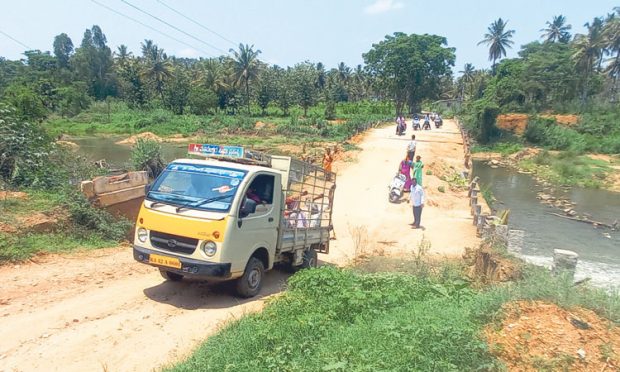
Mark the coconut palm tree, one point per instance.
(344, 72)
(585, 55)
(467, 77)
(611, 34)
(498, 39)
(245, 67)
(321, 76)
(158, 67)
(557, 30)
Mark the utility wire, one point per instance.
(150, 28)
(197, 23)
(15, 40)
(173, 26)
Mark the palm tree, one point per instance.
(158, 68)
(557, 30)
(122, 54)
(245, 67)
(467, 77)
(344, 72)
(611, 34)
(585, 55)
(213, 75)
(497, 39)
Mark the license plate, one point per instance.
(165, 261)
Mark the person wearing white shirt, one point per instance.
(417, 199)
(411, 148)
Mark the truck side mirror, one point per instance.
(248, 207)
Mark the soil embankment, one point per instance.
(100, 310)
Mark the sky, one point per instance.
(286, 31)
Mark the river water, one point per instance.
(119, 156)
(598, 249)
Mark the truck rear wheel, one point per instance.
(310, 259)
(250, 283)
(168, 275)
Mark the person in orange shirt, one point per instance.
(328, 158)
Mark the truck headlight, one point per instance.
(142, 235)
(209, 248)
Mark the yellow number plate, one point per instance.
(165, 261)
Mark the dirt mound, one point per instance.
(13, 195)
(538, 335)
(43, 222)
(487, 266)
(515, 123)
(69, 145)
(133, 139)
(568, 120)
(440, 169)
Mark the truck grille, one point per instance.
(173, 243)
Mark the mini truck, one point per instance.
(233, 214)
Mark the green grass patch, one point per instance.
(568, 168)
(37, 201)
(15, 248)
(334, 319)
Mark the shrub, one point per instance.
(146, 156)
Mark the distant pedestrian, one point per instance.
(328, 159)
(417, 170)
(411, 148)
(417, 199)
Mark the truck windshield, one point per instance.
(197, 186)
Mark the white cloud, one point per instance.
(188, 53)
(382, 6)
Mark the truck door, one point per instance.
(258, 229)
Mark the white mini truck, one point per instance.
(233, 214)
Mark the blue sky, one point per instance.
(288, 31)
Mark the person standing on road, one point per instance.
(411, 148)
(417, 199)
(404, 168)
(417, 170)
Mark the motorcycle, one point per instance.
(438, 123)
(427, 125)
(416, 124)
(396, 187)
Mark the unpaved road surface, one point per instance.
(100, 310)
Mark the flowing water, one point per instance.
(598, 249)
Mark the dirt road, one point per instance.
(100, 310)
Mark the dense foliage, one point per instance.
(332, 319)
(562, 74)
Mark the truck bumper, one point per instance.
(189, 267)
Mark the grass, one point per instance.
(423, 319)
(118, 119)
(37, 201)
(14, 248)
(569, 169)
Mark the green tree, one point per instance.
(63, 48)
(409, 68)
(245, 68)
(158, 68)
(497, 39)
(467, 78)
(304, 87)
(93, 63)
(176, 91)
(556, 30)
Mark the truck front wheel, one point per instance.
(252, 280)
